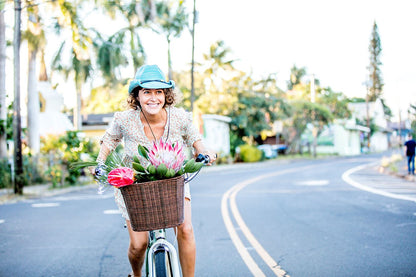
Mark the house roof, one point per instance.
(97, 119)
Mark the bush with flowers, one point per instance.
(164, 160)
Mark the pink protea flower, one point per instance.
(164, 152)
(120, 177)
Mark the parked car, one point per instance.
(269, 151)
(280, 148)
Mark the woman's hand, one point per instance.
(212, 157)
(91, 169)
(200, 149)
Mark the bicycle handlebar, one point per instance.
(202, 158)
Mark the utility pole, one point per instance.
(193, 58)
(17, 127)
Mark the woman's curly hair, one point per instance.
(133, 101)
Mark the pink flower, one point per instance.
(120, 177)
(166, 153)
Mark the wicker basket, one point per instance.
(156, 204)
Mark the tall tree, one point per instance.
(80, 66)
(36, 40)
(17, 125)
(3, 106)
(304, 113)
(171, 21)
(375, 85)
(217, 58)
(137, 14)
(296, 75)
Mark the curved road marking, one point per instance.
(242, 250)
(346, 177)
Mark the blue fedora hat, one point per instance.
(150, 77)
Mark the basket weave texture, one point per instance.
(156, 204)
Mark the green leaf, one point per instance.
(79, 165)
(189, 166)
(143, 151)
(138, 167)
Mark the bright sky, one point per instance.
(329, 38)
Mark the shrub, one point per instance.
(63, 150)
(249, 153)
(5, 174)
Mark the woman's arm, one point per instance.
(102, 157)
(200, 149)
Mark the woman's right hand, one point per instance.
(91, 169)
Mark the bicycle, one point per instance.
(161, 258)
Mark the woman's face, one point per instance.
(152, 100)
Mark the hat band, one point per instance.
(160, 81)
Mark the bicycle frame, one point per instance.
(158, 242)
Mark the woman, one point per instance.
(151, 117)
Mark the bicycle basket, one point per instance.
(156, 204)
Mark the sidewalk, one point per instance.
(38, 191)
(376, 179)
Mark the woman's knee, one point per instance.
(186, 231)
(137, 248)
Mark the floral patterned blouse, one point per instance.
(127, 126)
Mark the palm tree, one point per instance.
(296, 75)
(216, 58)
(217, 62)
(36, 40)
(110, 56)
(80, 66)
(80, 70)
(137, 14)
(17, 127)
(171, 21)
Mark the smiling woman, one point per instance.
(152, 121)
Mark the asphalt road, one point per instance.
(280, 218)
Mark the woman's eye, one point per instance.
(159, 91)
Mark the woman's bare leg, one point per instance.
(186, 243)
(137, 249)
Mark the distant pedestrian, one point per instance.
(410, 153)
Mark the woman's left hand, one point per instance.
(212, 157)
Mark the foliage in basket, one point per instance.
(164, 160)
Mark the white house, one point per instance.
(374, 110)
(217, 133)
(346, 137)
(52, 120)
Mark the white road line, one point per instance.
(249, 261)
(45, 205)
(112, 212)
(346, 177)
(313, 183)
(274, 266)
